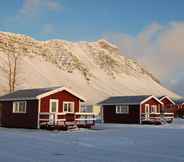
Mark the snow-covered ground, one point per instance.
(109, 143)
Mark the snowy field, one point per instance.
(110, 143)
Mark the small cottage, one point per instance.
(180, 107)
(37, 108)
(180, 102)
(168, 110)
(131, 109)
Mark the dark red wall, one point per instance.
(19, 120)
(179, 110)
(152, 101)
(61, 96)
(168, 105)
(110, 116)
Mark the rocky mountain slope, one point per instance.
(95, 70)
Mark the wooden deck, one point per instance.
(157, 117)
(66, 120)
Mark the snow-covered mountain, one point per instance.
(96, 70)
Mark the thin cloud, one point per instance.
(36, 7)
(29, 7)
(54, 6)
(160, 48)
(32, 15)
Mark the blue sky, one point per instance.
(151, 31)
(87, 19)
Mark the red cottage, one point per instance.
(168, 110)
(43, 107)
(180, 107)
(131, 109)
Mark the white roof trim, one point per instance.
(147, 99)
(58, 90)
(168, 99)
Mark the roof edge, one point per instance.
(168, 99)
(58, 90)
(147, 99)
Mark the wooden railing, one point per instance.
(157, 116)
(84, 118)
(78, 118)
(167, 116)
(151, 116)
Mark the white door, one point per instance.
(147, 111)
(53, 111)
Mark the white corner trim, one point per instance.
(150, 97)
(38, 120)
(168, 99)
(140, 114)
(58, 90)
(79, 106)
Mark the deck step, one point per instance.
(163, 120)
(72, 128)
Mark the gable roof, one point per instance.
(167, 97)
(124, 100)
(128, 100)
(34, 94)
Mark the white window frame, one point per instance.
(50, 105)
(73, 107)
(120, 109)
(18, 103)
(153, 109)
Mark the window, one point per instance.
(19, 107)
(53, 105)
(122, 109)
(153, 108)
(68, 106)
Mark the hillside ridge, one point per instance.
(98, 67)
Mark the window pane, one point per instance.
(53, 106)
(118, 109)
(22, 107)
(69, 107)
(16, 107)
(65, 107)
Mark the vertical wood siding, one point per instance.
(110, 116)
(62, 97)
(20, 120)
(168, 105)
(152, 101)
